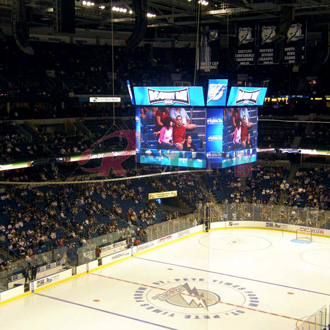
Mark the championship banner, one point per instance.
(266, 51)
(295, 44)
(164, 194)
(208, 50)
(246, 35)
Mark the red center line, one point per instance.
(203, 298)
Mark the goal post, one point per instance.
(305, 235)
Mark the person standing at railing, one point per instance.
(26, 274)
(34, 272)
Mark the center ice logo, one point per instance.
(195, 298)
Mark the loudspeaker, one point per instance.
(141, 24)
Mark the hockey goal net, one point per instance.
(304, 235)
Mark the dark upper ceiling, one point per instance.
(173, 17)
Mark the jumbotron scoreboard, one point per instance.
(224, 130)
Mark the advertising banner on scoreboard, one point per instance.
(246, 36)
(214, 133)
(246, 96)
(169, 96)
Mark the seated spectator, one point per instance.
(165, 140)
(188, 145)
(161, 114)
(179, 133)
(248, 143)
(237, 134)
(185, 119)
(245, 117)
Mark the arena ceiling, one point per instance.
(172, 17)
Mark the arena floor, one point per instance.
(225, 279)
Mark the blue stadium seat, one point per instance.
(151, 144)
(150, 128)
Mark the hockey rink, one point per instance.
(224, 279)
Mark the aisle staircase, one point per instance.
(198, 117)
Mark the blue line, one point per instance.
(235, 276)
(104, 311)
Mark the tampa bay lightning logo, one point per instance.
(295, 32)
(196, 298)
(267, 33)
(215, 92)
(244, 36)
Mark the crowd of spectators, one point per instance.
(310, 188)
(23, 142)
(273, 134)
(263, 187)
(60, 70)
(56, 70)
(316, 135)
(269, 194)
(37, 219)
(190, 190)
(34, 220)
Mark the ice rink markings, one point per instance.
(104, 311)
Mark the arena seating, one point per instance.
(42, 218)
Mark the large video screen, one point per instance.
(239, 135)
(196, 137)
(172, 136)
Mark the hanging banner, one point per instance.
(208, 51)
(246, 44)
(266, 50)
(295, 44)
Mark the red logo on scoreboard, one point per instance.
(243, 170)
(109, 163)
